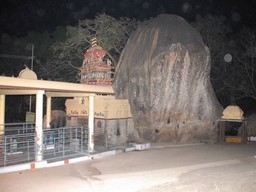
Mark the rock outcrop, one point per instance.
(58, 119)
(251, 122)
(164, 72)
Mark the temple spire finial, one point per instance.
(94, 42)
(97, 67)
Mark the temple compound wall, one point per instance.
(113, 123)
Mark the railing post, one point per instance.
(39, 126)
(2, 114)
(91, 123)
(63, 143)
(48, 111)
(75, 140)
(106, 137)
(82, 138)
(2, 125)
(28, 150)
(54, 143)
(5, 151)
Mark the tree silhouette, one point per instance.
(215, 32)
(67, 56)
(242, 78)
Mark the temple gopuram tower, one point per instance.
(97, 67)
(113, 122)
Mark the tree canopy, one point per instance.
(67, 56)
(59, 54)
(233, 65)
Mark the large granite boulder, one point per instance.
(251, 122)
(58, 119)
(164, 72)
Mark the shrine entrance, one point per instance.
(232, 130)
(40, 138)
(232, 126)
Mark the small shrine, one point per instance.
(27, 74)
(232, 125)
(232, 112)
(97, 67)
(112, 118)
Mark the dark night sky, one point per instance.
(19, 16)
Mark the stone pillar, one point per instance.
(2, 117)
(48, 111)
(91, 123)
(2, 113)
(39, 126)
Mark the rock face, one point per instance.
(251, 129)
(58, 119)
(164, 72)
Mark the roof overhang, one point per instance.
(18, 86)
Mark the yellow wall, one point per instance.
(106, 107)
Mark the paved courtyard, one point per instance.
(175, 168)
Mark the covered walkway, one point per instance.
(50, 89)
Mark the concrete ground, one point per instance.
(175, 168)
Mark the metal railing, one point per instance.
(18, 148)
(100, 139)
(65, 141)
(18, 128)
(108, 138)
(17, 145)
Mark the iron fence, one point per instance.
(18, 128)
(16, 149)
(65, 141)
(100, 139)
(17, 144)
(108, 138)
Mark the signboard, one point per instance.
(30, 117)
(104, 107)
